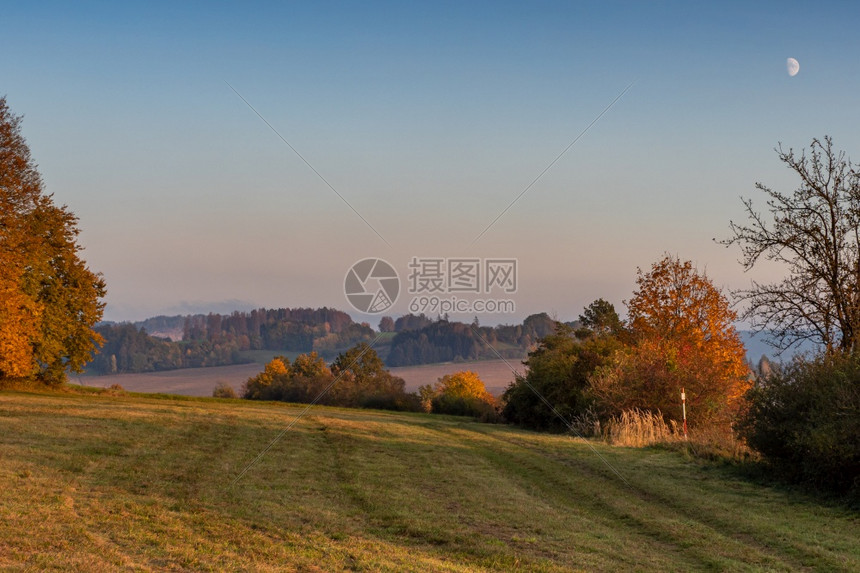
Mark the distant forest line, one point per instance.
(202, 340)
(194, 341)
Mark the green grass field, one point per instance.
(99, 482)
(263, 356)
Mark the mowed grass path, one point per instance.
(97, 482)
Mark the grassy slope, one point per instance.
(100, 482)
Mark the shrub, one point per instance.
(805, 420)
(224, 390)
(650, 375)
(362, 380)
(356, 379)
(465, 406)
(115, 390)
(461, 394)
(559, 369)
(398, 401)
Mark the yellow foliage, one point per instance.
(465, 384)
(276, 366)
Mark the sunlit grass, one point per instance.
(93, 481)
(638, 428)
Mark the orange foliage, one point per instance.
(19, 329)
(685, 337)
(49, 299)
(276, 367)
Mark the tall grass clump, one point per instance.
(639, 428)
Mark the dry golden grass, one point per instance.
(640, 428)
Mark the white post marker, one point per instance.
(684, 409)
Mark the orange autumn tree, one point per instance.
(684, 337)
(20, 191)
(49, 299)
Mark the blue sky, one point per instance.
(429, 119)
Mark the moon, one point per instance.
(793, 66)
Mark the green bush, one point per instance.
(398, 401)
(805, 420)
(559, 370)
(465, 406)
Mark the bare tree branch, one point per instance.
(815, 233)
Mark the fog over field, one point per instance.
(496, 375)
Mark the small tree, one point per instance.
(386, 324)
(466, 384)
(815, 233)
(764, 368)
(684, 337)
(600, 318)
(463, 394)
(426, 393)
(559, 370)
(265, 385)
(363, 380)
